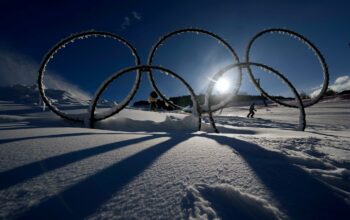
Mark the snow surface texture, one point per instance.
(229, 201)
(142, 164)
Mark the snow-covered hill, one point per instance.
(154, 165)
(30, 95)
(24, 94)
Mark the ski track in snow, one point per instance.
(143, 164)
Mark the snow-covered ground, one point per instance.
(153, 165)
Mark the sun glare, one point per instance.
(222, 85)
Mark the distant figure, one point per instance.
(252, 111)
(152, 100)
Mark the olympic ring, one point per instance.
(197, 110)
(143, 68)
(196, 31)
(302, 121)
(310, 45)
(62, 44)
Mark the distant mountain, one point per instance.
(344, 95)
(238, 100)
(25, 94)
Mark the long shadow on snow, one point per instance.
(20, 174)
(21, 112)
(40, 123)
(85, 197)
(300, 195)
(30, 109)
(8, 128)
(9, 140)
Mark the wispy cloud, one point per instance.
(127, 20)
(136, 15)
(340, 84)
(20, 69)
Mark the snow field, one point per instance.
(155, 165)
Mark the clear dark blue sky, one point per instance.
(31, 28)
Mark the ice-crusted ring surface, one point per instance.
(91, 117)
(61, 45)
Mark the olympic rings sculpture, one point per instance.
(91, 117)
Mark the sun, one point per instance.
(222, 85)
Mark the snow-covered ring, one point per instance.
(62, 44)
(305, 41)
(300, 105)
(141, 68)
(160, 42)
(90, 117)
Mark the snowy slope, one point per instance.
(143, 164)
(30, 95)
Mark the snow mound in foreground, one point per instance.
(157, 122)
(223, 201)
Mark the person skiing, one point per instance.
(252, 110)
(152, 100)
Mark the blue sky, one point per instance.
(31, 28)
